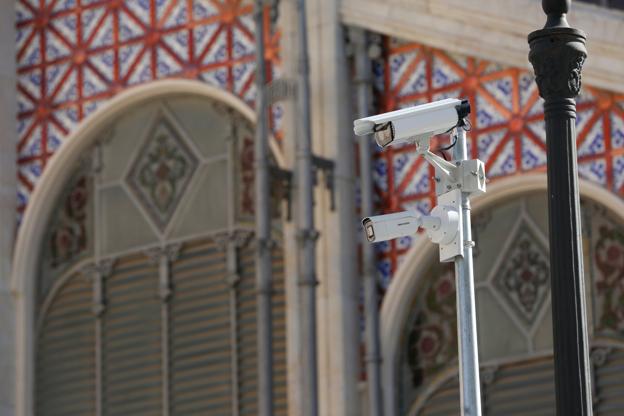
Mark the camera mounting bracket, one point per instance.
(466, 175)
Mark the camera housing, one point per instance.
(443, 226)
(386, 227)
(407, 124)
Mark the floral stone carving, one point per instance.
(161, 172)
(432, 338)
(609, 283)
(523, 277)
(68, 238)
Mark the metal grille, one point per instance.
(200, 333)
(246, 314)
(65, 366)
(131, 347)
(525, 388)
(444, 402)
(211, 362)
(247, 334)
(610, 385)
(279, 335)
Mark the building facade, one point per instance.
(127, 280)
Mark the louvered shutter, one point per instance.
(131, 341)
(444, 402)
(610, 385)
(65, 366)
(280, 404)
(525, 388)
(201, 350)
(247, 358)
(247, 334)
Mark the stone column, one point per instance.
(337, 295)
(557, 55)
(338, 292)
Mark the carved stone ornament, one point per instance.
(557, 56)
(240, 238)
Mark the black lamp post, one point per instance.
(557, 55)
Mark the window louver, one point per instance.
(200, 333)
(443, 402)
(211, 338)
(248, 365)
(280, 404)
(525, 388)
(610, 385)
(247, 335)
(131, 339)
(65, 353)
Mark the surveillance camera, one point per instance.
(419, 121)
(443, 226)
(390, 226)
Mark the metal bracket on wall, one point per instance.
(280, 89)
(281, 184)
(327, 166)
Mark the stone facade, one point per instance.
(74, 57)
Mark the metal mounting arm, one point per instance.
(466, 175)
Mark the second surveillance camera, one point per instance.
(422, 120)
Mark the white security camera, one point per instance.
(443, 226)
(409, 123)
(386, 227)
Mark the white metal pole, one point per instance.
(470, 388)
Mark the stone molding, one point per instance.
(487, 29)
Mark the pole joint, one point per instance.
(306, 235)
(327, 166)
(281, 186)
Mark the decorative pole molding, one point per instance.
(557, 55)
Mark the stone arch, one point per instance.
(396, 303)
(27, 250)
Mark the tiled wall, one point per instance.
(73, 55)
(507, 128)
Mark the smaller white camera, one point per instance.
(387, 227)
(424, 120)
(443, 226)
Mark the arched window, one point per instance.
(514, 316)
(146, 300)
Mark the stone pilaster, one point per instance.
(8, 192)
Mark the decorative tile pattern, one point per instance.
(161, 172)
(507, 126)
(523, 279)
(73, 56)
